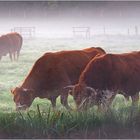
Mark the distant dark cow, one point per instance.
(105, 76)
(10, 43)
(51, 73)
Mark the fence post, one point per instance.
(104, 30)
(85, 30)
(27, 32)
(136, 30)
(128, 31)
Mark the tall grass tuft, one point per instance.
(123, 123)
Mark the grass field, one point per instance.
(40, 121)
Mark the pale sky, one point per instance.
(58, 18)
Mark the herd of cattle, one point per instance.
(91, 76)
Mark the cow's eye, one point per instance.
(88, 93)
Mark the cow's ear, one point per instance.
(14, 89)
(69, 89)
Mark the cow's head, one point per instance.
(83, 96)
(23, 98)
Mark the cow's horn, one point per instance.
(69, 87)
(92, 89)
(26, 89)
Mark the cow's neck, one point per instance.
(30, 84)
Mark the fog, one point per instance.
(56, 19)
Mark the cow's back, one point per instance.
(113, 71)
(74, 62)
(92, 51)
(54, 70)
(15, 41)
(126, 71)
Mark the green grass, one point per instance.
(65, 124)
(41, 121)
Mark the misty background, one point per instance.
(57, 18)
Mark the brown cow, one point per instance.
(10, 43)
(107, 75)
(51, 73)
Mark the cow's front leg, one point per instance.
(107, 99)
(64, 98)
(53, 101)
(64, 101)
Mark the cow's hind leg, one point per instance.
(64, 99)
(18, 52)
(126, 97)
(10, 55)
(14, 54)
(135, 99)
(53, 101)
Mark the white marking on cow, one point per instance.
(94, 92)
(106, 98)
(107, 94)
(19, 105)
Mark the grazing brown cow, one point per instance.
(105, 76)
(51, 73)
(10, 43)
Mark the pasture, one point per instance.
(41, 121)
